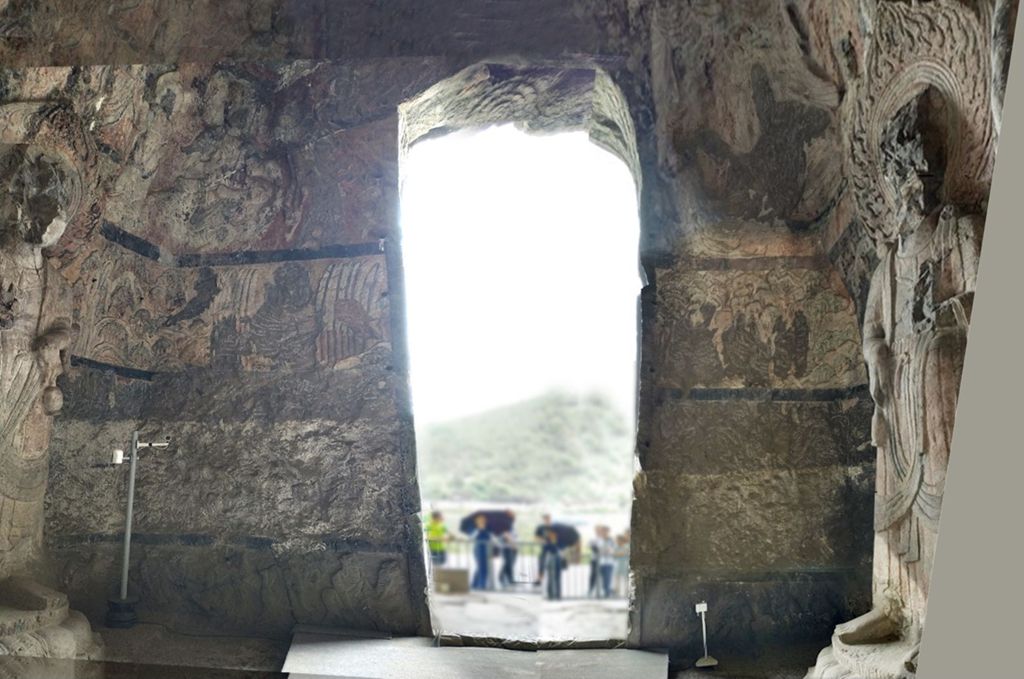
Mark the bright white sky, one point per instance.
(521, 270)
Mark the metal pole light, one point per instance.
(134, 458)
(707, 660)
(121, 610)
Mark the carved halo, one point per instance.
(941, 46)
(52, 132)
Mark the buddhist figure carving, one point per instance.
(924, 120)
(914, 340)
(34, 336)
(915, 334)
(39, 194)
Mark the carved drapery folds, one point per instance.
(915, 334)
(40, 192)
(923, 126)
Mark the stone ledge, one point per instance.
(27, 606)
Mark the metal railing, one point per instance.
(577, 581)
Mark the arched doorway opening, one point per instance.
(521, 282)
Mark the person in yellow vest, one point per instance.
(437, 538)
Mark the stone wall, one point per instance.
(235, 288)
(231, 293)
(754, 413)
(753, 401)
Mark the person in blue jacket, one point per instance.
(553, 562)
(483, 540)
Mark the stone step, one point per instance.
(318, 656)
(13, 667)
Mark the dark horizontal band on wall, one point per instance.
(329, 544)
(764, 394)
(144, 248)
(752, 263)
(780, 575)
(276, 256)
(139, 246)
(119, 370)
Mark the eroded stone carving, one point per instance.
(35, 329)
(926, 137)
(944, 46)
(915, 334)
(1003, 26)
(348, 310)
(39, 194)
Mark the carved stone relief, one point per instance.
(40, 192)
(784, 328)
(922, 149)
(938, 46)
(349, 312)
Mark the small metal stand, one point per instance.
(121, 609)
(707, 660)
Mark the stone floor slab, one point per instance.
(313, 656)
(528, 617)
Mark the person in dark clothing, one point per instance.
(592, 587)
(483, 539)
(541, 535)
(552, 556)
(509, 552)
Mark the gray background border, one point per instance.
(974, 619)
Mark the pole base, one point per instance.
(121, 612)
(707, 661)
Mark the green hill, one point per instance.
(556, 447)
